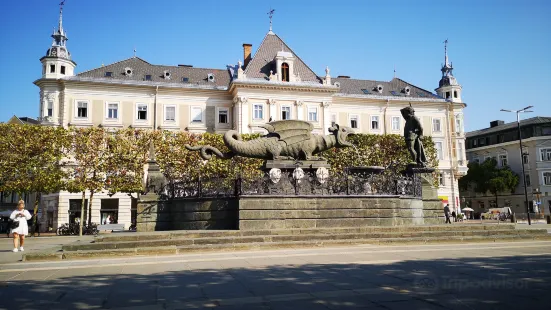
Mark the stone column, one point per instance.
(241, 113)
(326, 116)
(300, 110)
(273, 109)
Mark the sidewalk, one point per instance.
(35, 244)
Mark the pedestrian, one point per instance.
(447, 213)
(20, 216)
(454, 216)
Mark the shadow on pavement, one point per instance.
(468, 283)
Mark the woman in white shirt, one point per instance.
(21, 216)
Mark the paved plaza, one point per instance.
(508, 275)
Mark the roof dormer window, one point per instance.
(284, 72)
(166, 75)
(147, 77)
(128, 71)
(379, 88)
(108, 74)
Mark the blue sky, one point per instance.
(499, 49)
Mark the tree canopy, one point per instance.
(488, 177)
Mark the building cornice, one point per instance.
(288, 86)
(515, 142)
(108, 81)
(391, 98)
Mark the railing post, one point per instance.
(347, 182)
(199, 187)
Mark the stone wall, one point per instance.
(334, 211)
(262, 212)
(187, 214)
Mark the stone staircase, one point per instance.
(181, 242)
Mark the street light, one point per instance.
(525, 110)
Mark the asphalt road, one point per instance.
(510, 275)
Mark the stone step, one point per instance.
(237, 233)
(173, 250)
(185, 240)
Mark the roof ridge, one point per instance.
(297, 56)
(114, 63)
(413, 85)
(263, 40)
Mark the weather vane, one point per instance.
(271, 14)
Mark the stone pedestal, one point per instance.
(291, 164)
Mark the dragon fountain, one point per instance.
(286, 140)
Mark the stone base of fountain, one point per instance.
(291, 164)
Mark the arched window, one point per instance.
(285, 72)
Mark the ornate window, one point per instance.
(197, 114)
(284, 72)
(439, 151)
(285, 113)
(82, 109)
(503, 160)
(395, 123)
(142, 111)
(547, 178)
(354, 121)
(436, 125)
(374, 122)
(50, 109)
(545, 154)
(170, 113)
(223, 117)
(258, 110)
(112, 110)
(312, 114)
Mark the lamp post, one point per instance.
(525, 110)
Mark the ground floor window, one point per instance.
(109, 211)
(75, 206)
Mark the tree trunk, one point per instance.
(496, 200)
(82, 208)
(90, 208)
(35, 213)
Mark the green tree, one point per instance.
(32, 160)
(87, 154)
(488, 177)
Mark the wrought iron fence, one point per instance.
(288, 183)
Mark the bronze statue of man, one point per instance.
(413, 132)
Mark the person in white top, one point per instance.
(21, 216)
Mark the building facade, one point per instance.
(501, 142)
(273, 84)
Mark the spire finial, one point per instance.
(271, 14)
(394, 71)
(446, 52)
(134, 52)
(61, 4)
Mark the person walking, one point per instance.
(447, 213)
(454, 216)
(20, 216)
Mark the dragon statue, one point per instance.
(286, 140)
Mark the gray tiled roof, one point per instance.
(508, 126)
(263, 60)
(356, 87)
(141, 68)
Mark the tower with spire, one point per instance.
(57, 63)
(448, 87)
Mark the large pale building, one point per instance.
(274, 83)
(500, 141)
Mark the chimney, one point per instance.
(246, 54)
(496, 123)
